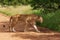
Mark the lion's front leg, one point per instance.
(12, 29)
(33, 24)
(36, 28)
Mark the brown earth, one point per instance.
(45, 33)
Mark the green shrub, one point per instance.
(51, 20)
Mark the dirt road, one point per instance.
(29, 36)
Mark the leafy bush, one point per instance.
(51, 20)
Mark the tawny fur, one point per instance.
(27, 18)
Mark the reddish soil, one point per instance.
(45, 33)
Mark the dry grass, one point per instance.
(14, 10)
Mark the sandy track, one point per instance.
(29, 36)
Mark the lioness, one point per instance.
(27, 18)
